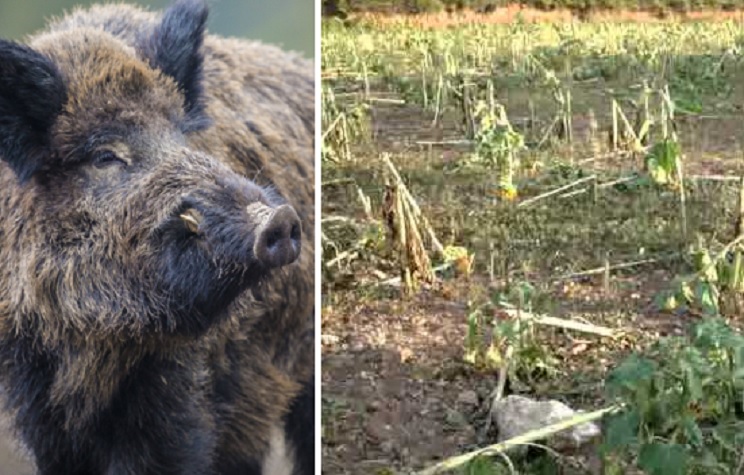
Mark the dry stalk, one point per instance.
(740, 224)
(604, 268)
(415, 210)
(556, 191)
(453, 463)
(404, 234)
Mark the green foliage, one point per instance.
(536, 464)
(477, 352)
(694, 78)
(493, 336)
(718, 279)
(482, 466)
(662, 162)
(497, 145)
(683, 402)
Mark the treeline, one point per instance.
(342, 7)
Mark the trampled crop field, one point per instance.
(549, 206)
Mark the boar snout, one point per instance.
(278, 237)
(272, 235)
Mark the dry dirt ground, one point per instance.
(397, 395)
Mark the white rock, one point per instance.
(516, 415)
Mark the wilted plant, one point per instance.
(343, 124)
(718, 280)
(662, 163)
(459, 258)
(499, 337)
(497, 146)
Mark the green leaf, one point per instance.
(693, 383)
(707, 295)
(493, 358)
(710, 333)
(704, 264)
(523, 292)
(726, 275)
(688, 105)
(709, 460)
(621, 430)
(661, 161)
(669, 301)
(471, 338)
(663, 459)
(687, 292)
(692, 431)
(470, 357)
(481, 466)
(656, 172)
(737, 271)
(634, 372)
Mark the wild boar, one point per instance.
(156, 247)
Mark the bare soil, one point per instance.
(397, 395)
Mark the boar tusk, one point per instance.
(191, 218)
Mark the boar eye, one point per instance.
(106, 158)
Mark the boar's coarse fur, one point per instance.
(156, 187)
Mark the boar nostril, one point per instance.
(274, 237)
(278, 238)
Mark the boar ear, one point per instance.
(175, 48)
(32, 94)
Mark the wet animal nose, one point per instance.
(278, 240)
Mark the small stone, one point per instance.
(387, 446)
(468, 398)
(378, 428)
(455, 419)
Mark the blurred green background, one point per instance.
(286, 23)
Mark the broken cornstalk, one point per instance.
(405, 221)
